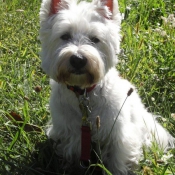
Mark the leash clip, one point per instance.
(84, 100)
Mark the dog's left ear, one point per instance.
(109, 4)
(113, 8)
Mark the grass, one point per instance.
(147, 60)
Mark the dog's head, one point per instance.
(79, 40)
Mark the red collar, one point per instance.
(79, 91)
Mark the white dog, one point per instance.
(80, 41)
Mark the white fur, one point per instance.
(134, 127)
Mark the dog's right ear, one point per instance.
(51, 7)
(54, 6)
(57, 5)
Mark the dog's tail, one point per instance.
(157, 134)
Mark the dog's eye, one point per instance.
(66, 37)
(95, 40)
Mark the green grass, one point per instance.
(147, 61)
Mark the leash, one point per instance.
(85, 131)
(87, 155)
(82, 95)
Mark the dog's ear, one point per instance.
(107, 8)
(57, 5)
(51, 7)
(109, 4)
(112, 7)
(54, 6)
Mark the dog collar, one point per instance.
(80, 91)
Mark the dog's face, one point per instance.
(79, 41)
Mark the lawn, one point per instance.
(147, 59)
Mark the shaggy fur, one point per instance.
(91, 31)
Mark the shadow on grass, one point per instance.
(44, 161)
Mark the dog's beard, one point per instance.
(82, 80)
(85, 77)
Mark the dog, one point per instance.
(90, 102)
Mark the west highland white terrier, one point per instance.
(80, 43)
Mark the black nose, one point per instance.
(78, 62)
